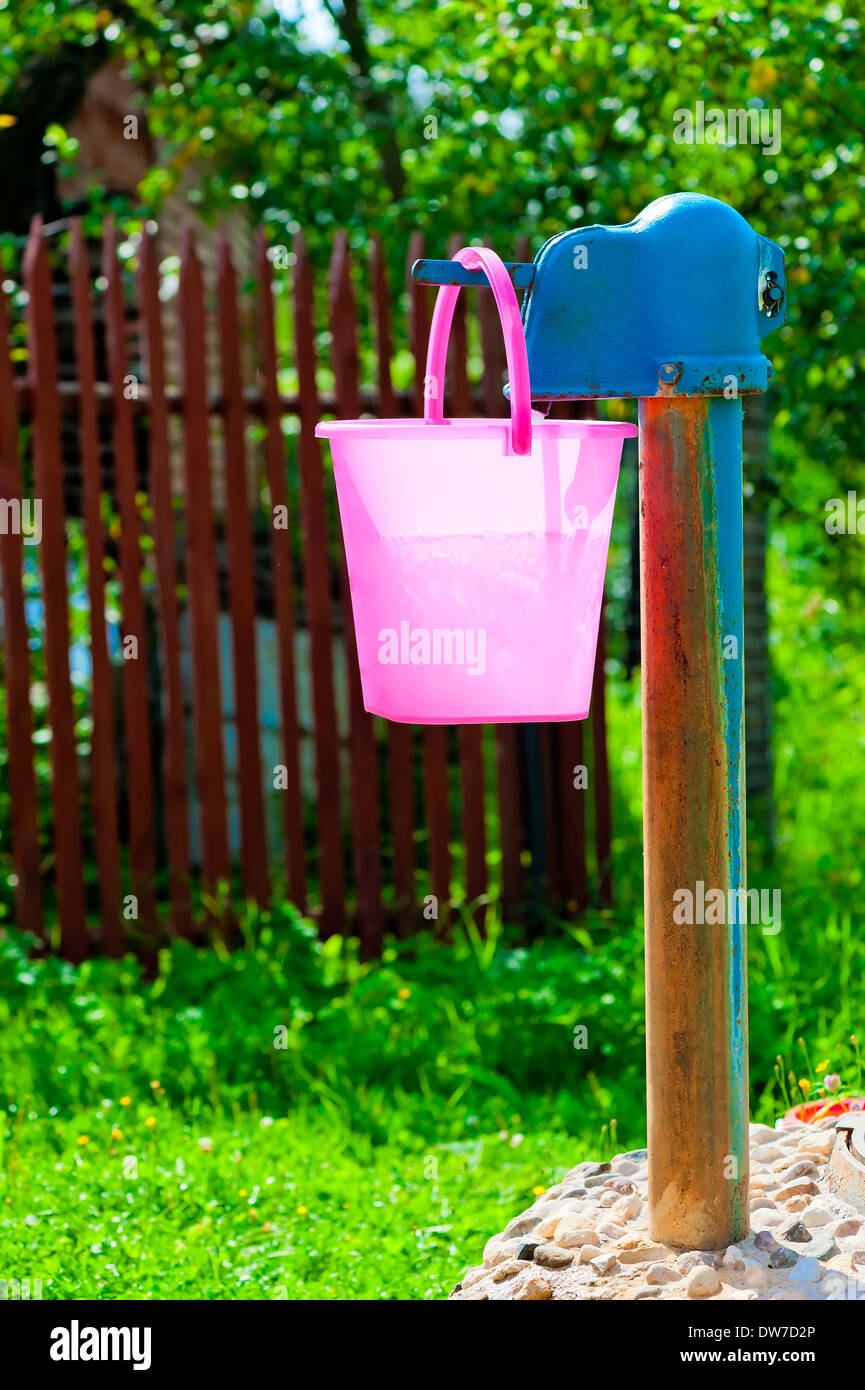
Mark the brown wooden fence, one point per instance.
(392, 815)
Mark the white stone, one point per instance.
(608, 1198)
(611, 1230)
(846, 1228)
(494, 1252)
(733, 1258)
(604, 1262)
(772, 1218)
(768, 1154)
(547, 1228)
(690, 1259)
(758, 1203)
(761, 1134)
(796, 1203)
(629, 1207)
(788, 1144)
(703, 1282)
(533, 1289)
(571, 1237)
(823, 1144)
(587, 1253)
(799, 1187)
(662, 1274)
(506, 1270)
(815, 1216)
(786, 1168)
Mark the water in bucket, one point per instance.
(476, 571)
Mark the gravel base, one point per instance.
(587, 1237)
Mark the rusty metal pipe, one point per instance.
(693, 817)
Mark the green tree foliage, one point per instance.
(497, 119)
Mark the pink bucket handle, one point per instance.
(482, 258)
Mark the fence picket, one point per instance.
(254, 874)
(319, 612)
(572, 877)
(175, 782)
(16, 663)
(103, 773)
(571, 881)
(469, 736)
(202, 575)
(364, 771)
(139, 769)
(49, 486)
(541, 737)
(601, 770)
(400, 737)
(283, 590)
(433, 736)
(507, 737)
(588, 410)
(282, 560)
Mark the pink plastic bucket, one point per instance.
(476, 549)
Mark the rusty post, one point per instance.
(693, 800)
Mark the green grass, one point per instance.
(294, 1210)
(369, 1126)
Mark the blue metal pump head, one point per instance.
(673, 303)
